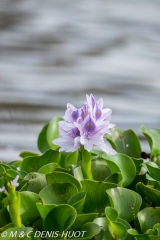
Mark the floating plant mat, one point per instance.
(87, 181)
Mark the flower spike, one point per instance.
(85, 126)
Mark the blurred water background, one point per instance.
(55, 51)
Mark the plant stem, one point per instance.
(14, 206)
(86, 164)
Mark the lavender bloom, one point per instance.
(2, 189)
(69, 137)
(14, 182)
(85, 126)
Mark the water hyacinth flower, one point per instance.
(85, 126)
(14, 182)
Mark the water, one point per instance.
(54, 52)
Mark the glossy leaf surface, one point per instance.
(42, 142)
(96, 197)
(148, 217)
(58, 193)
(52, 132)
(33, 164)
(118, 196)
(125, 142)
(123, 164)
(60, 218)
(153, 137)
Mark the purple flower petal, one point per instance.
(15, 181)
(3, 189)
(67, 143)
(89, 126)
(107, 149)
(91, 101)
(97, 112)
(71, 114)
(100, 103)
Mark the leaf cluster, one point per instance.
(122, 201)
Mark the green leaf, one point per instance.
(71, 159)
(134, 233)
(60, 218)
(59, 193)
(77, 201)
(28, 209)
(117, 229)
(86, 164)
(151, 232)
(27, 154)
(16, 163)
(96, 197)
(33, 164)
(125, 142)
(42, 142)
(53, 132)
(17, 166)
(44, 209)
(153, 237)
(111, 214)
(100, 170)
(36, 182)
(138, 163)
(48, 168)
(153, 137)
(114, 178)
(153, 170)
(138, 178)
(157, 228)
(148, 217)
(4, 217)
(125, 223)
(90, 230)
(59, 177)
(63, 159)
(21, 185)
(38, 224)
(125, 201)
(123, 164)
(11, 173)
(104, 233)
(2, 182)
(4, 167)
(81, 219)
(148, 193)
(78, 173)
(9, 225)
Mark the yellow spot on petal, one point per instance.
(89, 126)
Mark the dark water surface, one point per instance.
(54, 52)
